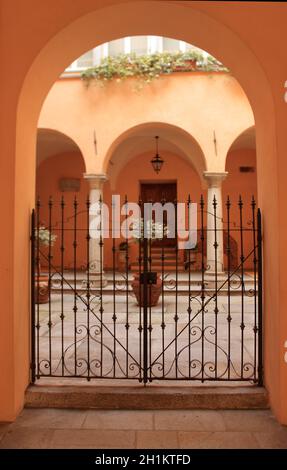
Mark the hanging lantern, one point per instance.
(157, 161)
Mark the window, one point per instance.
(86, 60)
(170, 45)
(116, 47)
(139, 44)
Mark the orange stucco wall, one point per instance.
(242, 185)
(50, 35)
(200, 104)
(237, 183)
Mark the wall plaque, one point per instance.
(70, 184)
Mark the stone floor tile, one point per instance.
(23, 438)
(156, 334)
(217, 440)
(133, 420)
(4, 428)
(203, 429)
(92, 439)
(50, 418)
(193, 420)
(272, 440)
(157, 440)
(249, 420)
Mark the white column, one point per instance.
(214, 221)
(96, 252)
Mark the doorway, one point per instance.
(159, 191)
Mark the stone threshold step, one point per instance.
(167, 292)
(146, 398)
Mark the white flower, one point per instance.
(44, 236)
(150, 229)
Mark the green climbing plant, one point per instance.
(146, 68)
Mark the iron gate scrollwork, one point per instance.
(92, 323)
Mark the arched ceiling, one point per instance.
(246, 140)
(141, 139)
(50, 142)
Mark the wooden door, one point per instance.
(157, 192)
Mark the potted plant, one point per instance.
(152, 231)
(121, 256)
(44, 238)
(148, 67)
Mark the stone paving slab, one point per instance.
(194, 429)
(77, 348)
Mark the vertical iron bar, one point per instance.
(162, 297)
(49, 283)
(33, 310)
(75, 307)
(242, 326)
(145, 306)
(228, 205)
(140, 255)
(62, 316)
(88, 238)
(216, 284)
(260, 300)
(127, 326)
(255, 327)
(189, 292)
(150, 301)
(38, 205)
(202, 238)
(101, 244)
(114, 317)
(176, 295)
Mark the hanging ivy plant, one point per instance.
(146, 68)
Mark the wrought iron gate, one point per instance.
(108, 324)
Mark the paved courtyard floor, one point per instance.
(93, 429)
(184, 340)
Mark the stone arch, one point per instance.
(246, 138)
(52, 142)
(171, 19)
(141, 136)
(81, 35)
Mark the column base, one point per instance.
(211, 273)
(213, 280)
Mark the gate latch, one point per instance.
(150, 277)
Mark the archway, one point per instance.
(241, 184)
(129, 160)
(140, 139)
(60, 170)
(194, 25)
(241, 166)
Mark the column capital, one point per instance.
(96, 181)
(214, 178)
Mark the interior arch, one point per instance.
(140, 139)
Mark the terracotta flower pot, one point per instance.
(41, 289)
(154, 291)
(121, 260)
(190, 64)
